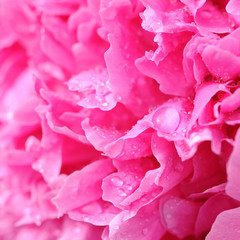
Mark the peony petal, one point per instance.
(177, 212)
(232, 188)
(226, 226)
(145, 225)
(210, 210)
(80, 192)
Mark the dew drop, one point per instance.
(122, 193)
(86, 218)
(128, 187)
(105, 104)
(166, 119)
(132, 80)
(168, 216)
(38, 221)
(145, 231)
(119, 98)
(116, 227)
(146, 220)
(116, 181)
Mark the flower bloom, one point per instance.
(119, 119)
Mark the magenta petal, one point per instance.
(210, 210)
(202, 98)
(158, 181)
(210, 18)
(119, 119)
(98, 213)
(165, 74)
(73, 186)
(228, 64)
(233, 7)
(94, 90)
(56, 52)
(226, 226)
(233, 167)
(175, 212)
(231, 103)
(145, 225)
(117, 186)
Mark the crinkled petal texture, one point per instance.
(119, 119)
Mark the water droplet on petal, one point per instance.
(145, 231)
(168, 216)
(119, 98)
(86, 218)
(116, 181)
(166, 119)
(105, 104)
(122, 193)
(146, 220)
(38, 221)
(128, 187)
(116, 227)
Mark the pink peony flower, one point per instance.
(119, 119)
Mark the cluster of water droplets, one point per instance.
(123, 188)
